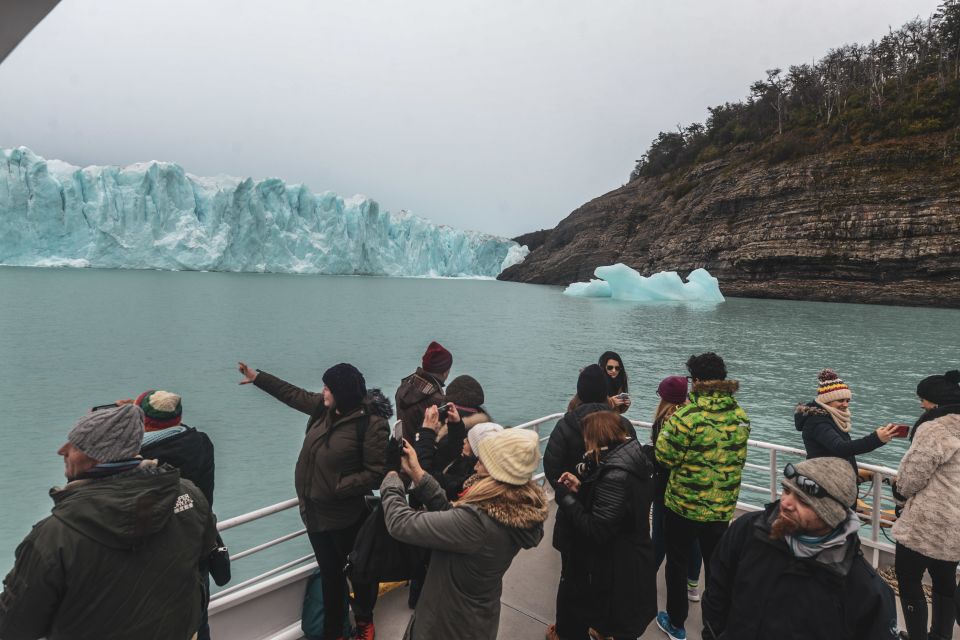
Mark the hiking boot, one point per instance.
(693, 593)
(674, 633)
(365, 631)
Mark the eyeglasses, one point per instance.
(807, 485)
(612, 367)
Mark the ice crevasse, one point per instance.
(621, 282)
(156, 216)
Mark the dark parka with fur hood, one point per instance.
(611, 527)
(822, 438)
(564, 451)
(759, 590)
(472, 547)
(119, 557)
(343, 458)
(416, 392)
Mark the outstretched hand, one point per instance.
(887, 432)
(249, 375)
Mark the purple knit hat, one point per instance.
(673, 389)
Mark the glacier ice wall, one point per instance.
(621, 282)
(156, 216)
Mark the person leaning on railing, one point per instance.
(926, 531)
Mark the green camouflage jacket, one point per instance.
(704, 444)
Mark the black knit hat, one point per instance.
(465, 391)
(346, 384)
(943, 389)
(592, 384)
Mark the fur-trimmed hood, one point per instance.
(515, 510)
(379, 404)
(714, 395)
(805, 412)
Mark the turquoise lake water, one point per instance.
(70, 339)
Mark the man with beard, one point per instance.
(795, 570)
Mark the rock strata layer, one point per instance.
(875, 224)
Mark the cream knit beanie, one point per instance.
(480, 432)
(511, 456)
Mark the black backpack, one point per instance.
(377, 556)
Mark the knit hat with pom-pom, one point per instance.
(941, 390)
(161, 409)
(831, 387)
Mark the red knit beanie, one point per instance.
(436, 359)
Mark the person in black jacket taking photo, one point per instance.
(608, 506)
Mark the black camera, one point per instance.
(443, 412)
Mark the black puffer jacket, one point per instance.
(822, 438)
(610, 522)
(759, 589)
(565, 450)
(189, 451)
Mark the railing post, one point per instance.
(773, 475)
(875, 516)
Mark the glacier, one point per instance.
(623, 283)
(155, 215)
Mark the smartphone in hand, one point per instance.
(903, 430)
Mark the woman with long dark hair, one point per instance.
(617, 387)
(926, 531)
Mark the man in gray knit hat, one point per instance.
(127, 535)
(795, 570)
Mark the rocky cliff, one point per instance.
(876, 224)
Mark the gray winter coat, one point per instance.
(473, 546)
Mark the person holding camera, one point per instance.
(423, 388)
(608, 505)
(564, 452)
(826, 423)
(442, 445)
(343, 459)
(617, 388)
(929, 480)
(473, 541)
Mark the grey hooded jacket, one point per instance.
(473, 546)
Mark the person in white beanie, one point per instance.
(474, 539)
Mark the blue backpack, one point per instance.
(311, 622)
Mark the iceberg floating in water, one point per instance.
(623, 283)
(156, 216)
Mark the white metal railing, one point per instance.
(881, 476)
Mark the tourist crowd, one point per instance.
(131, 543)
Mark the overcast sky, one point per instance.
(501, 116)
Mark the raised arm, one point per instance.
(828, 437)
(291, 395)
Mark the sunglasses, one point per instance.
(807, 485)
(612, 367)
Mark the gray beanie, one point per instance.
(109, 435)
(836, 477)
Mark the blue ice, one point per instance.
(155, 215)
(623, 283)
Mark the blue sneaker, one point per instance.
(674, 633)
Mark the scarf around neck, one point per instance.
(805, 546)
(841, 418)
